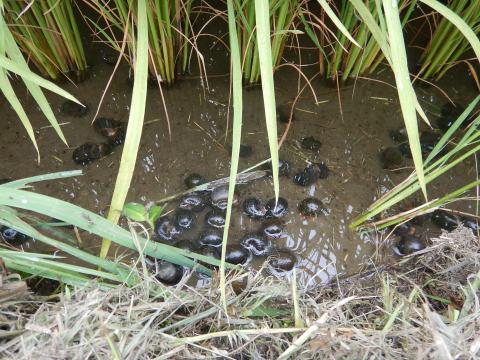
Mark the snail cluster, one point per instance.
(112, 130)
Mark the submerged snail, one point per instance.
(165, 271)
(449, 114)
(273, 229)
(89, 152)
(408, 244)
(283, 113)
(310, 143)
(166, 230)
(311, 174)
(71, 108)
(282, 261)
(253, 208)
(185, 244)
(311, 207)
(215, 218)
(12, 236)
(283, 167)
(184, 219)
(278, 210)
(256, 244)
(194, 180)
(445, 220)
(237, 255)
(391, 158)
(193, 201)
(211, 237)
(112, 129)
(219, 198)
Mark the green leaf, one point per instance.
(154, 213)
(336, 21)
(405, 90)
(135, 211)
(135, 123)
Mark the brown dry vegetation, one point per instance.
(426, 306)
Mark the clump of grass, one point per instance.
(169, 32)
(47, 33)
(282, 14)
(425, 304)
(447, 44)
(342, 59)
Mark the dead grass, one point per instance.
(426, 306)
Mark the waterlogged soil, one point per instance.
(352, 125)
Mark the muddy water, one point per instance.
(352, 125)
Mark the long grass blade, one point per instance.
(406, 93)
(135, 123)
(336, 21)
(236, 135)
(266, 71)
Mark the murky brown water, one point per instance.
(352, 134)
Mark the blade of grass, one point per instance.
(236, 135)
(135, 124)
(268, 89)
(406, 93)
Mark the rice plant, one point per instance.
(448, 45)
(282, 15)
(435, 165)
(14, 200)
(339, 57)
(47, 33)
(169, 30)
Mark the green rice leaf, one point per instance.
(405, 90)
(336, 21)
(135, 123)
(135, 211)
(458, 22)
(266, 71)
(236, 135)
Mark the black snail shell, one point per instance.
(211, 237)
(237, 255)
(283, 113)
(471, 224)
(282, 261)
(209, 251)
(168, 273)
(71, 108)
(112, 129)
(89, 152)
(166, 230)
(185, 244)
(398, 136)
(253, 208)
(310, 143)
(444, 220)
(245, 150)
(408, 244)
(43, 286)
(311, 207)
(283, 167)
(307, 176)
(193, 180)
(184, 219)
(193, 201)
(323, 170)
(276, 211)
(219, 198)
(449, 114)
(273, 229)
(12, 236)
(215, 218)
(257, 244)
(391, 158)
